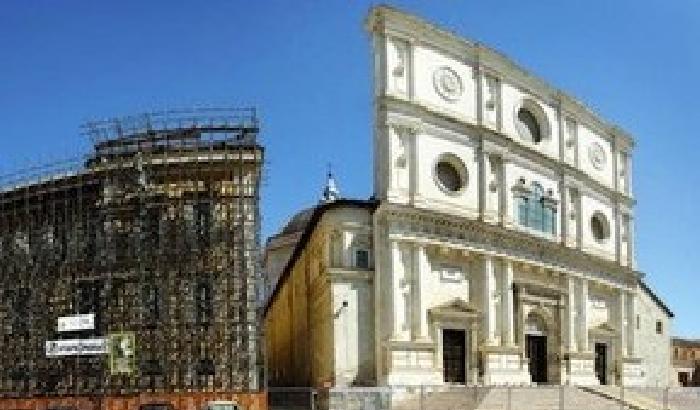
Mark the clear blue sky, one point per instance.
(305, 65)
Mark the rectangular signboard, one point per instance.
(76, 322)
(76, 347)
(122, 349)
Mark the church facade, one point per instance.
(498, 247)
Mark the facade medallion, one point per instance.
(596, 154)
(447, 83)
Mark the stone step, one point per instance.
(630, 398)
(482, 398)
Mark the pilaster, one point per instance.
(583, 316)
(571, 315)
(397, 291)
(622, 313)
(421, 277)
(489, 288)
(564, 212)
(483, 179)
(506, 201)
(507, 335)
(631, 323)
(615, 166)
(414, 177)
(618, 233)
(630, 243)
(410, 68)
(480, 84)
(474, 353)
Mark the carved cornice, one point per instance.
(427, 224)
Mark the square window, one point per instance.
(449, 273)
(362, 258)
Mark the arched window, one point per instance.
(600, 227)
(528, 126)
(537, 211)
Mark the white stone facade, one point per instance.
(501, 242)
(442, 100)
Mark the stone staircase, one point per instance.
(546, 398)
(632, 399)
(497, 398)
(486, 398)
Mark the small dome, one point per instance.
(297, 222)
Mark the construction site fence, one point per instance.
(249, 400)
(479, 397)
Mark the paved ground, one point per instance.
(489, 398)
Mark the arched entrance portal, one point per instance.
(536, 347)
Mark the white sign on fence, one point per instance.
(76, 322)
(76, 347)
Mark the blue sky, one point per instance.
(305, 65)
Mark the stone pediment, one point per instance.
(604, 329)
(455, 307)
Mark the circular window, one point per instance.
(600, 227)
(528, 127)
(451, 174)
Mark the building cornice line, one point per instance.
(480, 237)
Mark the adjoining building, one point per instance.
(498, 247)
(685, 356)
(134, 274)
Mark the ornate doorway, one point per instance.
(454, 356)
(536, 348)
(537, 354)
(601, 365)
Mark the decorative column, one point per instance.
(398, 285)
(474, 353)
(506, 201)
(579, 219)
(507, 304)
(479, 91)
(522, 290)
(628, 173)
(615, 166)
(622, 307)
(489, 281)
(631, 323)
(410, 77)
(421, 277)
(583, 316)
(617, 219)
(563, 211)
(571, 315)
(411, 138)
(483, 180)
(630, 243)
(561, 122)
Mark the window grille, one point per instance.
(537, 211)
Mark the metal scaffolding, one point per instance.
(155, 233)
